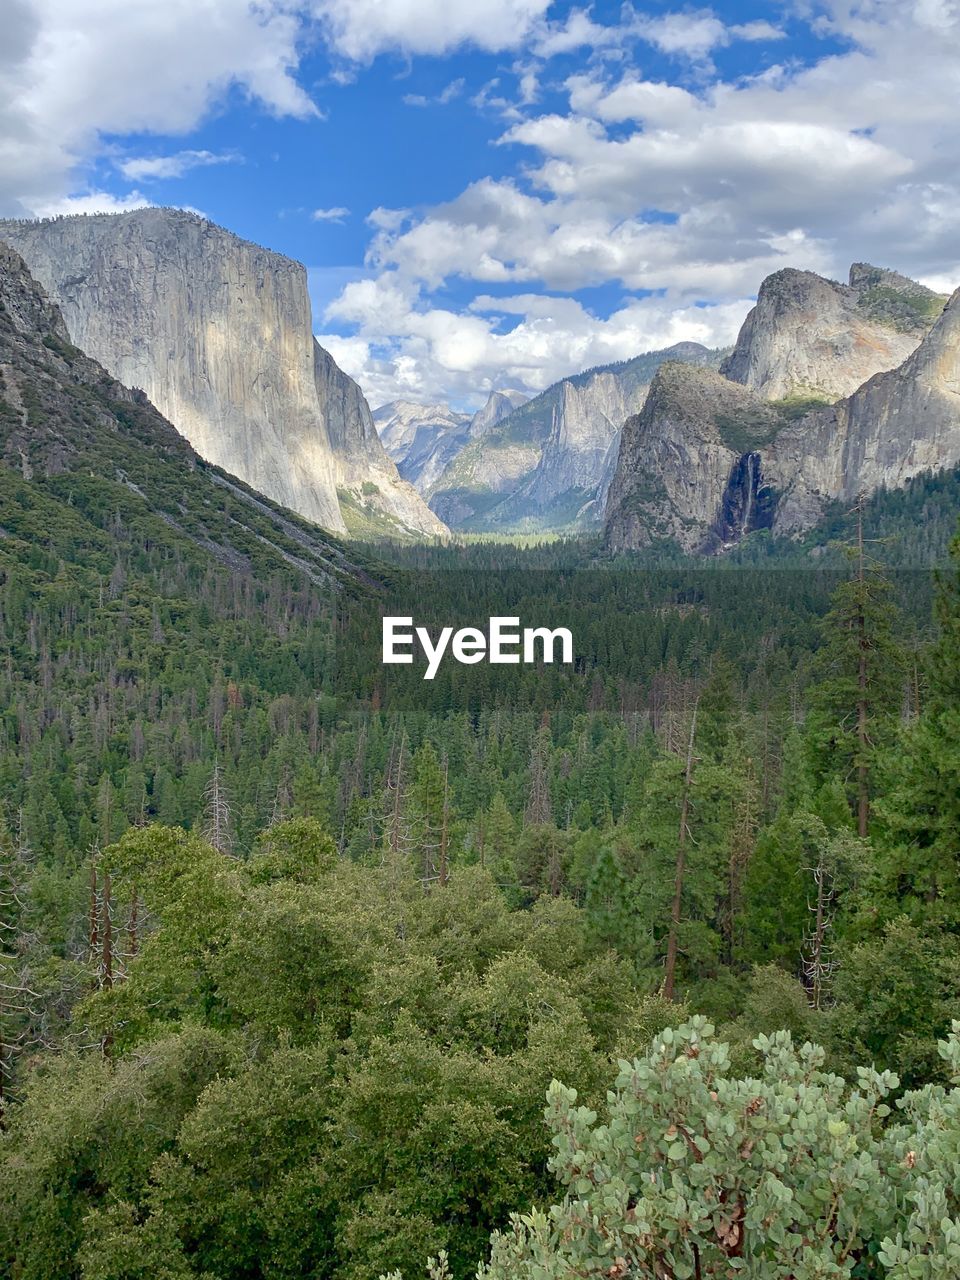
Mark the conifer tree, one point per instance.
(539, 808)
(855, 702)
(921, 810)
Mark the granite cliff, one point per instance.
(709, 460)
(92, 470)
(815, 339)
(895, 426)
(677, 457)
(547, 464)
(217, 332)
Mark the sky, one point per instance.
(498, 193)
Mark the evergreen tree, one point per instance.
(859, 669)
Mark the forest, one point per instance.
(647, 966)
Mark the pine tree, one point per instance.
(921, 810)
(17, 1000)
(430, 814)
(855, 703)
(539, 809)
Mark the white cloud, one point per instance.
(141, 168)
(405, 348)
(577, 32)
(73, 70)
(453, 90)
(361, 29)
(694, 195)
(943, 281)
(811, 166)
(337, 214)
(693, 35)
(759, 29)
(92, 202)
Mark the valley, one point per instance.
(295, 943)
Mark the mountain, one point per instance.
(421, 438)
(217, 331)
(708, 459)
(499, 405)
(897, 425)
(813, 338)
(547, 463)
(92, 474)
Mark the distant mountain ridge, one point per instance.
(423, 439)
(547, 464)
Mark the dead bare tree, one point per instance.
(817, 960)
(217, 827)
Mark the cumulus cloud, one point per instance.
(694, 195)
(70, 73)
(92, 202)
(695, 35)
(404, 347)
(361, 29)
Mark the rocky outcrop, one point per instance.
(549, 462)
(708, 460)
(499, 405)
(897, 425)
(123, 473)
(678, 458)
(421, 439)
(217, 331)
(811, 338)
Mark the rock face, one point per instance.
(500, 404)
(421, 439)
(895, 426)
(679, 457)
(708, 460)
(123, 471)
(218, 333)
(549, 462)
(812, 338)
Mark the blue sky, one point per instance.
(496, 194)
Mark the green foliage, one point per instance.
(698, 1173)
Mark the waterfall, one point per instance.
(751, 477)
(747, 504)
